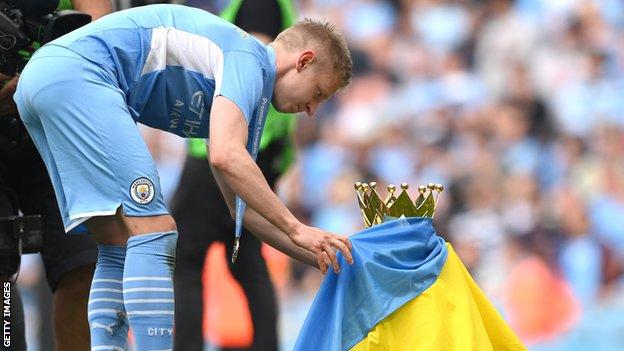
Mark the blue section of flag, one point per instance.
(394, 263)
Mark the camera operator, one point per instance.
(25, 186)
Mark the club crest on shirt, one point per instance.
(142, 190)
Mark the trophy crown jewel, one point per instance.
(376, 210)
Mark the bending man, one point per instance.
(190, 73)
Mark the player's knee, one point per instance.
(170, 224)
(166, 223)
(108, 230)
(150, 224)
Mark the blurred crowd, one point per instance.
(517, 108)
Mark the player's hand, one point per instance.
(324, 245)
(7, 105)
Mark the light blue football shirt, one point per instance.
(170, 61)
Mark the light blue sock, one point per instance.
(106, 311)
(148, 289)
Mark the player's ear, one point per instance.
(305, 59)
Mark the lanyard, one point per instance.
(252, 146)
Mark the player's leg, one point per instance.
(99, 163)
(149, 237)
(149, 234)
(148, 280)
(72, 150)
(191, 207)
(136, 261)
(138, 246)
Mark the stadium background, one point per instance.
(517, 107)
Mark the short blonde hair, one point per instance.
(323, 35)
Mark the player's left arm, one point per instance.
(262, 228)
(94, 8)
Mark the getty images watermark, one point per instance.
(6, 314)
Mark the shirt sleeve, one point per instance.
(242, 81)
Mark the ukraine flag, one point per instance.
(407, 290)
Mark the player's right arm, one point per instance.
(229, 157)
(263, 229)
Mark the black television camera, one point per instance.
(18, 235)
(27, 24)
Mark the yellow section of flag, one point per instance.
(452, 314)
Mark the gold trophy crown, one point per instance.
(375, 210)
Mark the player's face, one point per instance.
(304, 88)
